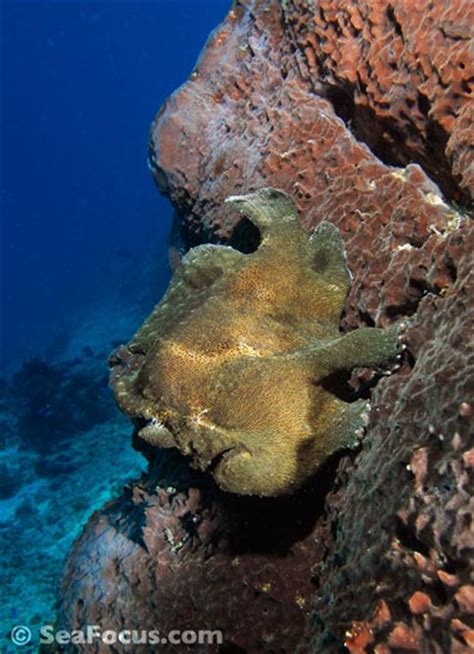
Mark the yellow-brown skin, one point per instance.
(235, 353)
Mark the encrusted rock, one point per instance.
(413, 474)
(175, 553)
(249, 117)
(399, 74)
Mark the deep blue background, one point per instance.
(81, 83)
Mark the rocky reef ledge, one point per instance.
(360, 111)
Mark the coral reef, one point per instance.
(405, 578)
(323, 100)
(254, 113)
(57, 400)
(54, 412)
(232, 365)
(174, 552)
(399, 75)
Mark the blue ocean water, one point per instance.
(83, 259)
(81, 82)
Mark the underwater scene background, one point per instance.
(278, 457)
(81, 83)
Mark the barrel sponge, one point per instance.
(231, 366)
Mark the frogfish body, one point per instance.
(230, 367)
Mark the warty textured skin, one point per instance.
(236, 356)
